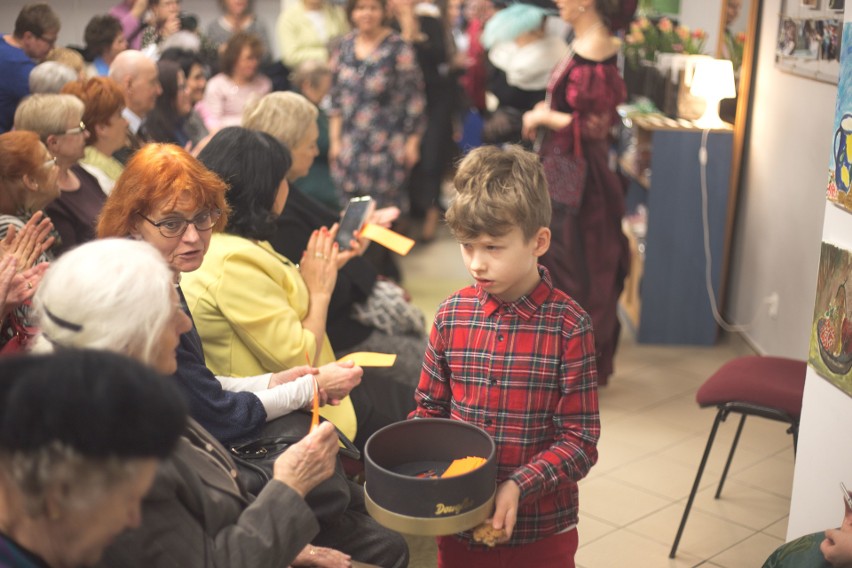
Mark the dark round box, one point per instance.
(435, 506)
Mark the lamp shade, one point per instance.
(714, 80)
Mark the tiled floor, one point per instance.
(653, 435)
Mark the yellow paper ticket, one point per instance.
(387, 238)
(370, 359)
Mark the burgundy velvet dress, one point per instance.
(589, 255)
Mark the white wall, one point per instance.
(782, 219)
(75, 14)
(704, 14)
(782, 201)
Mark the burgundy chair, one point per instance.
(769, 387)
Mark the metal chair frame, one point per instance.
(744, 409)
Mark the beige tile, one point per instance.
(625, 549)
(749, 553)
(611, 414)
(777, 529)
(684, 411)
(774, 474)
(648, 432)
(661, 476)
(614, 452)
(768, 436)
(703, 537)
(591, 529)
(615, 502)
(690, 450)
(744, 505)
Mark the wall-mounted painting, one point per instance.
(830, 351)
(840, 161)
(812, 4)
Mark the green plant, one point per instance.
(646, 39)
(735, 45)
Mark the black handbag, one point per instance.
(255, 461)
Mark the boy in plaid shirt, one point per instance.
(515, 357)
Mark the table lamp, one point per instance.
(713, 81)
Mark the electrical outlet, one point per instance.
(772, 301)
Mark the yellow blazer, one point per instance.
(297, 37)
(248, 303)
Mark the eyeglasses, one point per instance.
(51, 41)
(72, 131)
(176, 226)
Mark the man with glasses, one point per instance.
(36, 32)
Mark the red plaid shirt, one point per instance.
(525, 373)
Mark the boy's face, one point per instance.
(506, 266)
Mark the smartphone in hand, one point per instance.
(354, 216)
(846, 497)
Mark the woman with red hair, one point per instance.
(28, 182)
(170, 200)
(106, 126)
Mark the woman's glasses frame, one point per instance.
(175, 227)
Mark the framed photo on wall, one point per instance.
(809, 39)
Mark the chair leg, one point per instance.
(720, 416)
(730, 456)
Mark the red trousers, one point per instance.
(555, 551)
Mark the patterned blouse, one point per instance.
(380, 100)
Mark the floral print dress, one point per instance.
(380, 100)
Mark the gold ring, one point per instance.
(313, 551)
(319, 255)
(29, 285)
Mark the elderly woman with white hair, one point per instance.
(58, 120)
(119, 295)
(50, 77)
(112, 294)
(291, 118)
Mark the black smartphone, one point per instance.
(354, 217)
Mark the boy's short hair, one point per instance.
(499, 189)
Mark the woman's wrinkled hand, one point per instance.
(24, 285)
(28, 243)
(323, 557)
(8, 269)
(308, 462)
(319, 263)
(336, 380)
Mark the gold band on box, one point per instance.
(425, 526)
